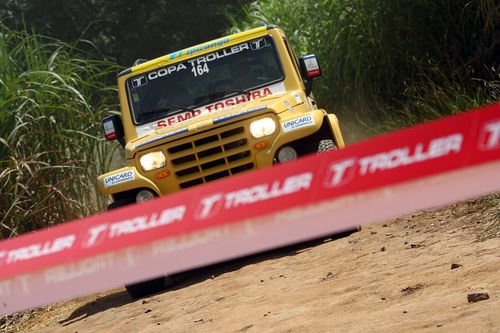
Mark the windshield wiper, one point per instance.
(206, 99)
(211, 96)
(178, 109)
(240, 91)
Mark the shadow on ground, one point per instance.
(189, 278)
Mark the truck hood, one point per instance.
(162, 132)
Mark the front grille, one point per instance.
(211, 156)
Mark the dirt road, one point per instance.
(394, 276)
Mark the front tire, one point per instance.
(146, 288)
(121, 203)
(143, 288)
(326, 145)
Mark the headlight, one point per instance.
(152, 161)
(262, 127)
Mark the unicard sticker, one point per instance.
(291, 125)
(119, 178)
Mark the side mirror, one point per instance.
(113, 129)
(309, 67)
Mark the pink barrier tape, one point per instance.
(451, 159)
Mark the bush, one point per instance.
(399, 62)
(51, 102)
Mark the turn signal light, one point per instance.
(261, 145)
(161, 175)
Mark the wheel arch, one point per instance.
(333, 122)
(131, 193)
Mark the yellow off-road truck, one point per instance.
(211, 111)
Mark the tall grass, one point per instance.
(52, 99)
(398, 62)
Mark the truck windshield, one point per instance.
(205, 79)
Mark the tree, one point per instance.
(125, 30)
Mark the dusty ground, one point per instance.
(391, 277)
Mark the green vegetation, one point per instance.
(51, 102)
(125, 30)
(393, 62)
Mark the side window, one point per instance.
(292, 55)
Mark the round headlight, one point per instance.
(151, 161)
(262, 127)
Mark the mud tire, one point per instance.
(326, 145)
(121, 203)
(147, 287)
